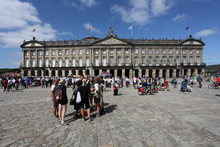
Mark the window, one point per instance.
(119, 60)
(119, 51)
(126, 51)
(171, 51)
(104, 51)
(127, 60)
(150, 51)
(191, 60)
(73, 52)
(47, 62)
(59, 52)
(40, 62)
(34, 53)
(67, 62)
(54, 52)
(143, 51)
(191, 51)
(33, 62)
(135, 60)
(27, 62)
(87, 51)
(184, 51)
(96, 61)
(171, 59)
(184, 59)
(40, 53)
(80, 62)
(143, 60)
(53, 62)
(111, 51)
(157, 51)
(47, 52)
(74, 62)
(198, 60)
(96, 51)
(80, 52)
(177, 59)
(157, 60)
(177, 51)
(136, 51)
(164, 51)
(111, 60)
(164, 60)
(150, 60)
(197, 51)
(60, 62)
(104, 62)
(27, 53)
(66, 52)
(87, 61)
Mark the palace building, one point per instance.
(120, 57)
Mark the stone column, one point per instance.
(84, 72)
(77, 72)
(160, 73)
(174, 73)
(196, 71)
(56, 73)
(131, 73)
(147, 72)
(42, 73)
(50, 73)
(63, 73)
(91, 72)
(123, 73)
(203, 72)
(70, 72)
(29, 72)
(108, 70)
(35, 73)
(115, 72)
(153, 72)
(189, 72)
(139, 72)
(168, 73)
(100, 71)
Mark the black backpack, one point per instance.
(58, 92)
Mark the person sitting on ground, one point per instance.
(184, 86)
(165, 85)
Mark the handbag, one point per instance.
(72, 101)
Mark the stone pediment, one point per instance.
(111, 41)
(33, 44)
(192, 42)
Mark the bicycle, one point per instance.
(213, 86)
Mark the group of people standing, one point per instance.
(86, 92)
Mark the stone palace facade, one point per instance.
(120, 57)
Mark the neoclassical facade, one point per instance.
(120, 57)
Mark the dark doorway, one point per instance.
(164, 73)
(199, 71)
(178, 73)
(150, 73)
(127, 73)
(136, 72)
(87, 72)
(192, 72)
(119, 73)
(171, 73)
(143, 72)
(185, 72)
(59, 73)
(39, 73)
(80, 72)
(26, 73)
(96, 72)
(157, 72)
(66, 72)
(46, 73)
(53, 73)
(32, 73)
(74, 72)
(112, 72)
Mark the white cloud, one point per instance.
(17, 21)
(17, 14)
(89, 26)
(142, 12)
(81, 4)
(206, 32)
(179, 17)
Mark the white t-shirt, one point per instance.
(52, 87)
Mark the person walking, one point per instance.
(5, 84)
(52, 94)
(199, 79)
(61, 97)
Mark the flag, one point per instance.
(130, 28)
(187, 28)
(33, 30)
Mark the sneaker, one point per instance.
(90, 119)
(62, 122)
(84, 118)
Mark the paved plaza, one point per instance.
(167, 119)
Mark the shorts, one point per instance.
(96, 99)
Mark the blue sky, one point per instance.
(71, 19)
